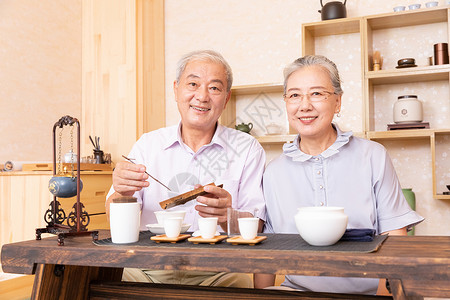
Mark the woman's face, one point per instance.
(311, 118)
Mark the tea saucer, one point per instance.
(405, 66)
(159, 229)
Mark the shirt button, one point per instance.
(316, 159)
(318, 172)
(321, 203)
(321, 187)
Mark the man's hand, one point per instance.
(217, 201)
(129, 178)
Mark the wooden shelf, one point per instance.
(442, 197)
(257, 88)
(276, 139)
(332, 27)
(366, 26)
(442, 131)
(400, 134)
(408, 18)
(407, 75)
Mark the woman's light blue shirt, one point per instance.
(353, 173)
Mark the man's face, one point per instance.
(201, 94)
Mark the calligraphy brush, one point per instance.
(131, 161)
(93, 144)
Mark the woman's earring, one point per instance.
(338, 114)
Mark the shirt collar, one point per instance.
(292, 149)
(175, 137)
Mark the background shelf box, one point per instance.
(408, 18)
(83, 166)
(407, 75)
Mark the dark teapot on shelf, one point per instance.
(333, 10)
(244, 127)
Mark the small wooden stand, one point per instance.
(238, 240)
(163, 238)
(413, 125)
(212, 241)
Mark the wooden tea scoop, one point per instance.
(183, 198)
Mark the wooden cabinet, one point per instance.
(24, 198)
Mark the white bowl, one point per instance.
(432, 4)
(162, 214)
(159, 229)
(273, 128)
(321, 226)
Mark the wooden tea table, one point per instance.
(416, 266)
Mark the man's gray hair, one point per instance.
(315, 60)
(205, 55)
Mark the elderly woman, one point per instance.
(325, 166)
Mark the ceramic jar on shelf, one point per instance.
(408, 108)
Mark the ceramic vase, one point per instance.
(411, 199)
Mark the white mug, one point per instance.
(124, 222)
(248, 228)
(207, 227)
(172, 227)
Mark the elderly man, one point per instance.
(196, 151)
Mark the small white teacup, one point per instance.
(163, 214)
(207, 227)
(432, 4)
(414, 6)
(172, 227)
(248, 227)
(399, 8)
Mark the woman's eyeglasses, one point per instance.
(313, 96)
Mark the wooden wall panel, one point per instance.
(109, 75)
(150, 65)
(122, 72)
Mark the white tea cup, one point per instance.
(164, 214)
(207, 227)
(124, 220)
(414, 6)
(399, 8)
(172, 227)
(248, 227)
(432, 4)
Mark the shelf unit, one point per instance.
(366, 27)
(228, 117)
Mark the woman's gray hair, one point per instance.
(315, 60)
(204, 55)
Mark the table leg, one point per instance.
(69, 282)
(398, 292)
